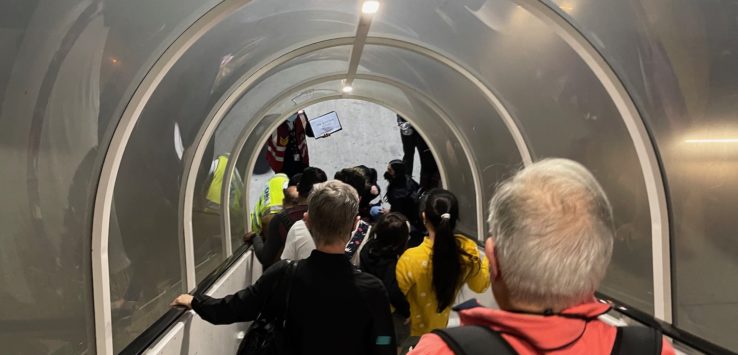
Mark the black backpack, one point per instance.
(266, 334)
(474, 339)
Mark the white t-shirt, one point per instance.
(299, 243)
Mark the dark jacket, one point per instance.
(333, 309)
(269, 250)
(382, 262)
(402, 195)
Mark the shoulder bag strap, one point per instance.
(473, 340)
(637, 341)
(290, 274)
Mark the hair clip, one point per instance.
(446, 216)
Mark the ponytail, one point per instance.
(442, 212)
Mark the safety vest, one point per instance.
(277, 143)
(213, 195)
(270, 200)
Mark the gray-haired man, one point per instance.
(550, 242)
(333, 308)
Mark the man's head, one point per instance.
(310, 177)
(332, 214)
(291, 196)
(550, 237)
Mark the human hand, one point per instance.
(248, 237)
(183, 300)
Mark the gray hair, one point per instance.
(332, 208)
(552, 226)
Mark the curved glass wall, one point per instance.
(677, 60)
(149, 185)
(555, 99)
(67, 70)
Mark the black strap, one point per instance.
(637, 341)
(473, 340)
(290, 273)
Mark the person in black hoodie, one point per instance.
(387, 241)
(402, 195)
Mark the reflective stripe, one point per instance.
(270, 200)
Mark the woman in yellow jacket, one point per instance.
(431, 274)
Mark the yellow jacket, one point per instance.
(415, 274)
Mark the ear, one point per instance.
(489, 251)
(306, 219)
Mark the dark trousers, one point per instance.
(408, 150)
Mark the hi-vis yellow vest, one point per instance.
(270, 200)
(216, 183)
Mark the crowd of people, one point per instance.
(347, 276)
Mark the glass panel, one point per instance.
(493, 150)
(148, 187)
(567, 115)
(67, 70)
(677, 60)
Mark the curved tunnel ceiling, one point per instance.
(148, 92)
(486, 108)
(232, 64)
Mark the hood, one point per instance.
(375, 258)
(542, 332)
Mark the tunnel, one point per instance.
(112, 111)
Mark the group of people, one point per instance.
(358, 288)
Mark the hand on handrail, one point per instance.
(183, 300)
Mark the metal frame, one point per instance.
(216, 115)
(548, 15)
(244, 84)
(249, 129)
(111, 165)
(281, 118)
(511, 124)
(647, 157)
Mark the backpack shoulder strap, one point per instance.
(637, 341)
(473, 340)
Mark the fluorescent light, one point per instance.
(370, 7)
(714, 140)
(347, 89)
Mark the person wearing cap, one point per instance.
(431, 274)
